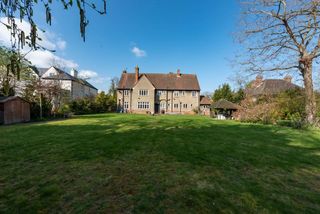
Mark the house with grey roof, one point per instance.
(71, 83)
(171, 93)
(261, 86)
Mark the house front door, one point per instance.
(157, 108)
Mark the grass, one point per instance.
(113, 163)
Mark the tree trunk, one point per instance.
(310, 105)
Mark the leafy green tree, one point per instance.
(223, 92)
(112, 92)
(290, 103)
(238, 96)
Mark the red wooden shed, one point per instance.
(14, 110)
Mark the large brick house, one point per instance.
(174, 93)
(261, 86)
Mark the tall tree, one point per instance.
(223, 92)
(113, 87)
(283, 36)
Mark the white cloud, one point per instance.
(138, 52)
(95, 78)
(44, 59)
(61, 44)
(88, 74)
(49, 40)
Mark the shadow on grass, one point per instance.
(139, 164)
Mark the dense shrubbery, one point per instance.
(285, 109)
(100, 104)
(35, 109)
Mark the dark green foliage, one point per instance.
(223, 92)
(116, 163)
(35, 108)
(238, 96)
(100, 104)
(291, 102)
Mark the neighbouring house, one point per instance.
(171, 93)
(271, 87)
(205, 105)
(224, 109)
(14, 110)
(75, 86)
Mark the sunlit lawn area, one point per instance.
(116, 163)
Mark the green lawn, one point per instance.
(163, 164)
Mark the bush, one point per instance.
(286, 109)
(35, 109)
(91, 105)
(297, 124)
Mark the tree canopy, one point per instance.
(282, 36)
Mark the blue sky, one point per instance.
(194, 36)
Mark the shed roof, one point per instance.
(225, 104)
(6, 99)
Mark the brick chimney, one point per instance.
(137, 73)
(178, 73)
(288, 78)
(258, 81)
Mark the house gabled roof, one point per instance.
(169, 81)
(39, 71)
(66, 76)
(205, 100)
(225, 104)
(270, 86)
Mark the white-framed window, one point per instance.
(176, 93)
(194, 93)
(126, 92)
(181, 93)
(163, 105)
(126, 105)
(176, 105)
(143, 105)
(185, 105)
(143, 92)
